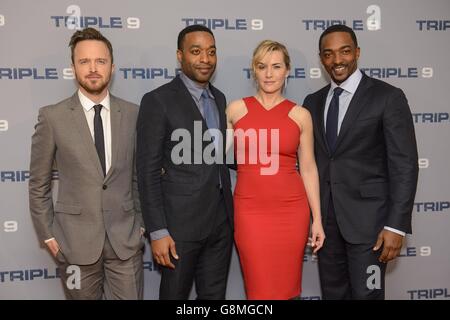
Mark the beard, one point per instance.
(94, 87)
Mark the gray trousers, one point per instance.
(109, 278)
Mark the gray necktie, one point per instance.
(208, 111)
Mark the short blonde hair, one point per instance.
(267, 46)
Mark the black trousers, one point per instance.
(349, 271)
(206, 262)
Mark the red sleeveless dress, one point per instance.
(271, 207)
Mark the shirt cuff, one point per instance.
(396, 231)
(48, 240)
(159, 234)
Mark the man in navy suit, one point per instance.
(186, 199)
(366, 154)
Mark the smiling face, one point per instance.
(270, 71)
(92, 67)
(339, 55)
(198, 56)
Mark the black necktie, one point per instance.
(332, 119)
(98, 136)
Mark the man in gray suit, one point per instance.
(95, 228)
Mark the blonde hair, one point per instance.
(268, 46)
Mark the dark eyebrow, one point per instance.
(199, 47)
(341, 48)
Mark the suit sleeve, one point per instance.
(151, 130)
(43, 148)
(402, 160)
(137, 203)
(307, 103)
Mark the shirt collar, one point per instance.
(194, 88)
(88, 104)
(351, 84)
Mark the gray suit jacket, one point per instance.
(88, 205)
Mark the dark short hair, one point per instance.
(338, 28)
(89, 34)
(189, 29)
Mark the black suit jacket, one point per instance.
(178, 197)
(372, 174)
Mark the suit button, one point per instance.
(105, 187)
(331, 159)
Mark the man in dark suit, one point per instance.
(95, 225)
(186, 198)
(366, 154)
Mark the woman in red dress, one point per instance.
(272, 198)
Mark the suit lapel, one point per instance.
(220, 109)
(185, 99)
(221, 105)
(357, 103)
(319, 116)
(116, 117)
(79, 119)
(185, 95)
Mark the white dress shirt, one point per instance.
(105, 113)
